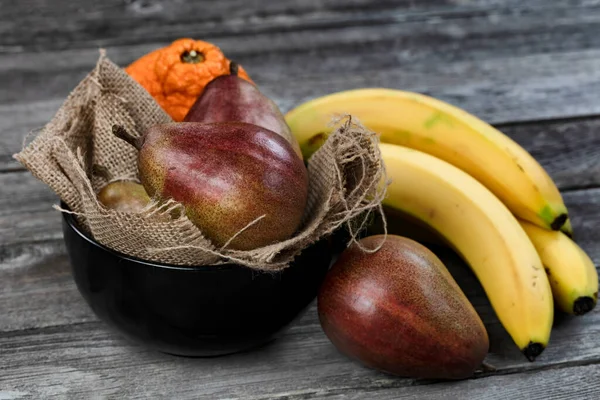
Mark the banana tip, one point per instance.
(533, 350)
(559, 221)
(583, 305)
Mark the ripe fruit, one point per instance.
(447, 132)
(229, 98)
(121, 195)
(572, 274)
(175, 75)
(124, 196)
(241, 184)
(400, 311)
(484, 232)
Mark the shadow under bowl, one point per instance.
(193, 311)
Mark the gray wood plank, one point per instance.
(86, 358)
(517, 70)
(337, 51)
(502, 60)
(37, 289)
(19, 122)
(579, 383)
(30, 238)
(35, 220)
(48, 334)
(20, 186)
(568, 149)
(40, 25)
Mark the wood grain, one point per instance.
(30, 236)
(54, 344)
(41, 25)
(569, 383)
(343, 52)
(87, 358)
(35, 220)
(568, 149)
(516, 70)
(531, 68)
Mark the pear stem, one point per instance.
(234, 68)
(122, 134)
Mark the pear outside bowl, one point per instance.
(193, 311)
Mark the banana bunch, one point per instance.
(485, 194)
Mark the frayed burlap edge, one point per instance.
(347, 180)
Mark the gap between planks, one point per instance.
(293, 18)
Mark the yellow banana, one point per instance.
(447, 132)
(567, 228)
(480, 228)
(572, 274)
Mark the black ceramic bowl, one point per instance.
(193, 311)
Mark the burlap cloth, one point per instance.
(345, 177)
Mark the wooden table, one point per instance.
(532, 68)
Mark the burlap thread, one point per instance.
(345, 178)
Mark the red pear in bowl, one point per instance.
(124, 196)
(400, 311)
(121, 195)
(229, 98)
(227, 175)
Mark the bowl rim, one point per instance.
(73, 224)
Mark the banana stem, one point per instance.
(122, 134)
(559, 222)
